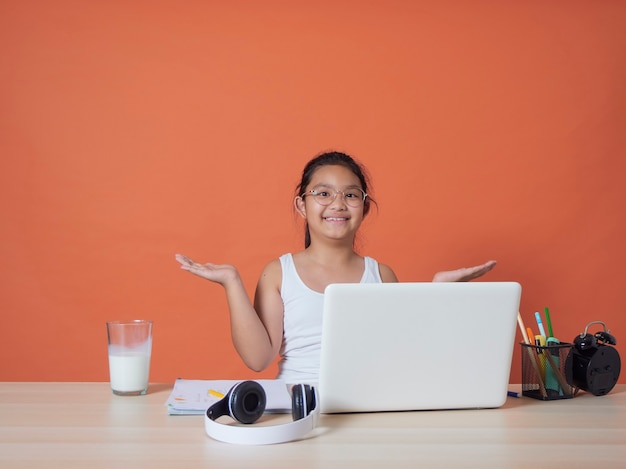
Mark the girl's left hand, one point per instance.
(464, 274)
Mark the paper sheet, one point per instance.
(192, 397)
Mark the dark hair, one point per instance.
(329, 159)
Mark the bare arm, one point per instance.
(256, 330)
(464, 274)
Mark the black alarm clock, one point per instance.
(593, 364)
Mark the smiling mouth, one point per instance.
(336, 218)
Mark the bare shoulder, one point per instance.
(272, 274)
(267, 300)
(386, 273)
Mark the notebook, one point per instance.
(417, 346)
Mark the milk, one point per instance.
(129, 371)
(130, 348)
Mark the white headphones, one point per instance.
(245, 402)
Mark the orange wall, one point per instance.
(131, 130)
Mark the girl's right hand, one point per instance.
(221, 274)
(464, 274)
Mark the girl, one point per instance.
(286, 317)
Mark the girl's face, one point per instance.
(340, 188)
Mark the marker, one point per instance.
(542, 331)
(555, 381)
(215, 393)
(548, 322)
(512, 394)
(552, 371)
(540, 342)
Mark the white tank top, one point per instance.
(302, 323)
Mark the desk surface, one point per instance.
(85, 425)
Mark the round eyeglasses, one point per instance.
(353, 197)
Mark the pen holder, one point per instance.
(543, 372)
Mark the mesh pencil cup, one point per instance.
(543, 372)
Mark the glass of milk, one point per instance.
(130, 347)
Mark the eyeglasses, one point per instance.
(353, 197)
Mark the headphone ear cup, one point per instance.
(311, 401)
(303, 401)
(247, 401)
(584, 342)
(297, 402)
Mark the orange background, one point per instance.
(131, 130)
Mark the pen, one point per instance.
(512, 394)
(548, 322)
(542, 331)
(215, 393)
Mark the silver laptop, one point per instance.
(417, 346)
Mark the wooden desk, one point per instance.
(84, 425)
